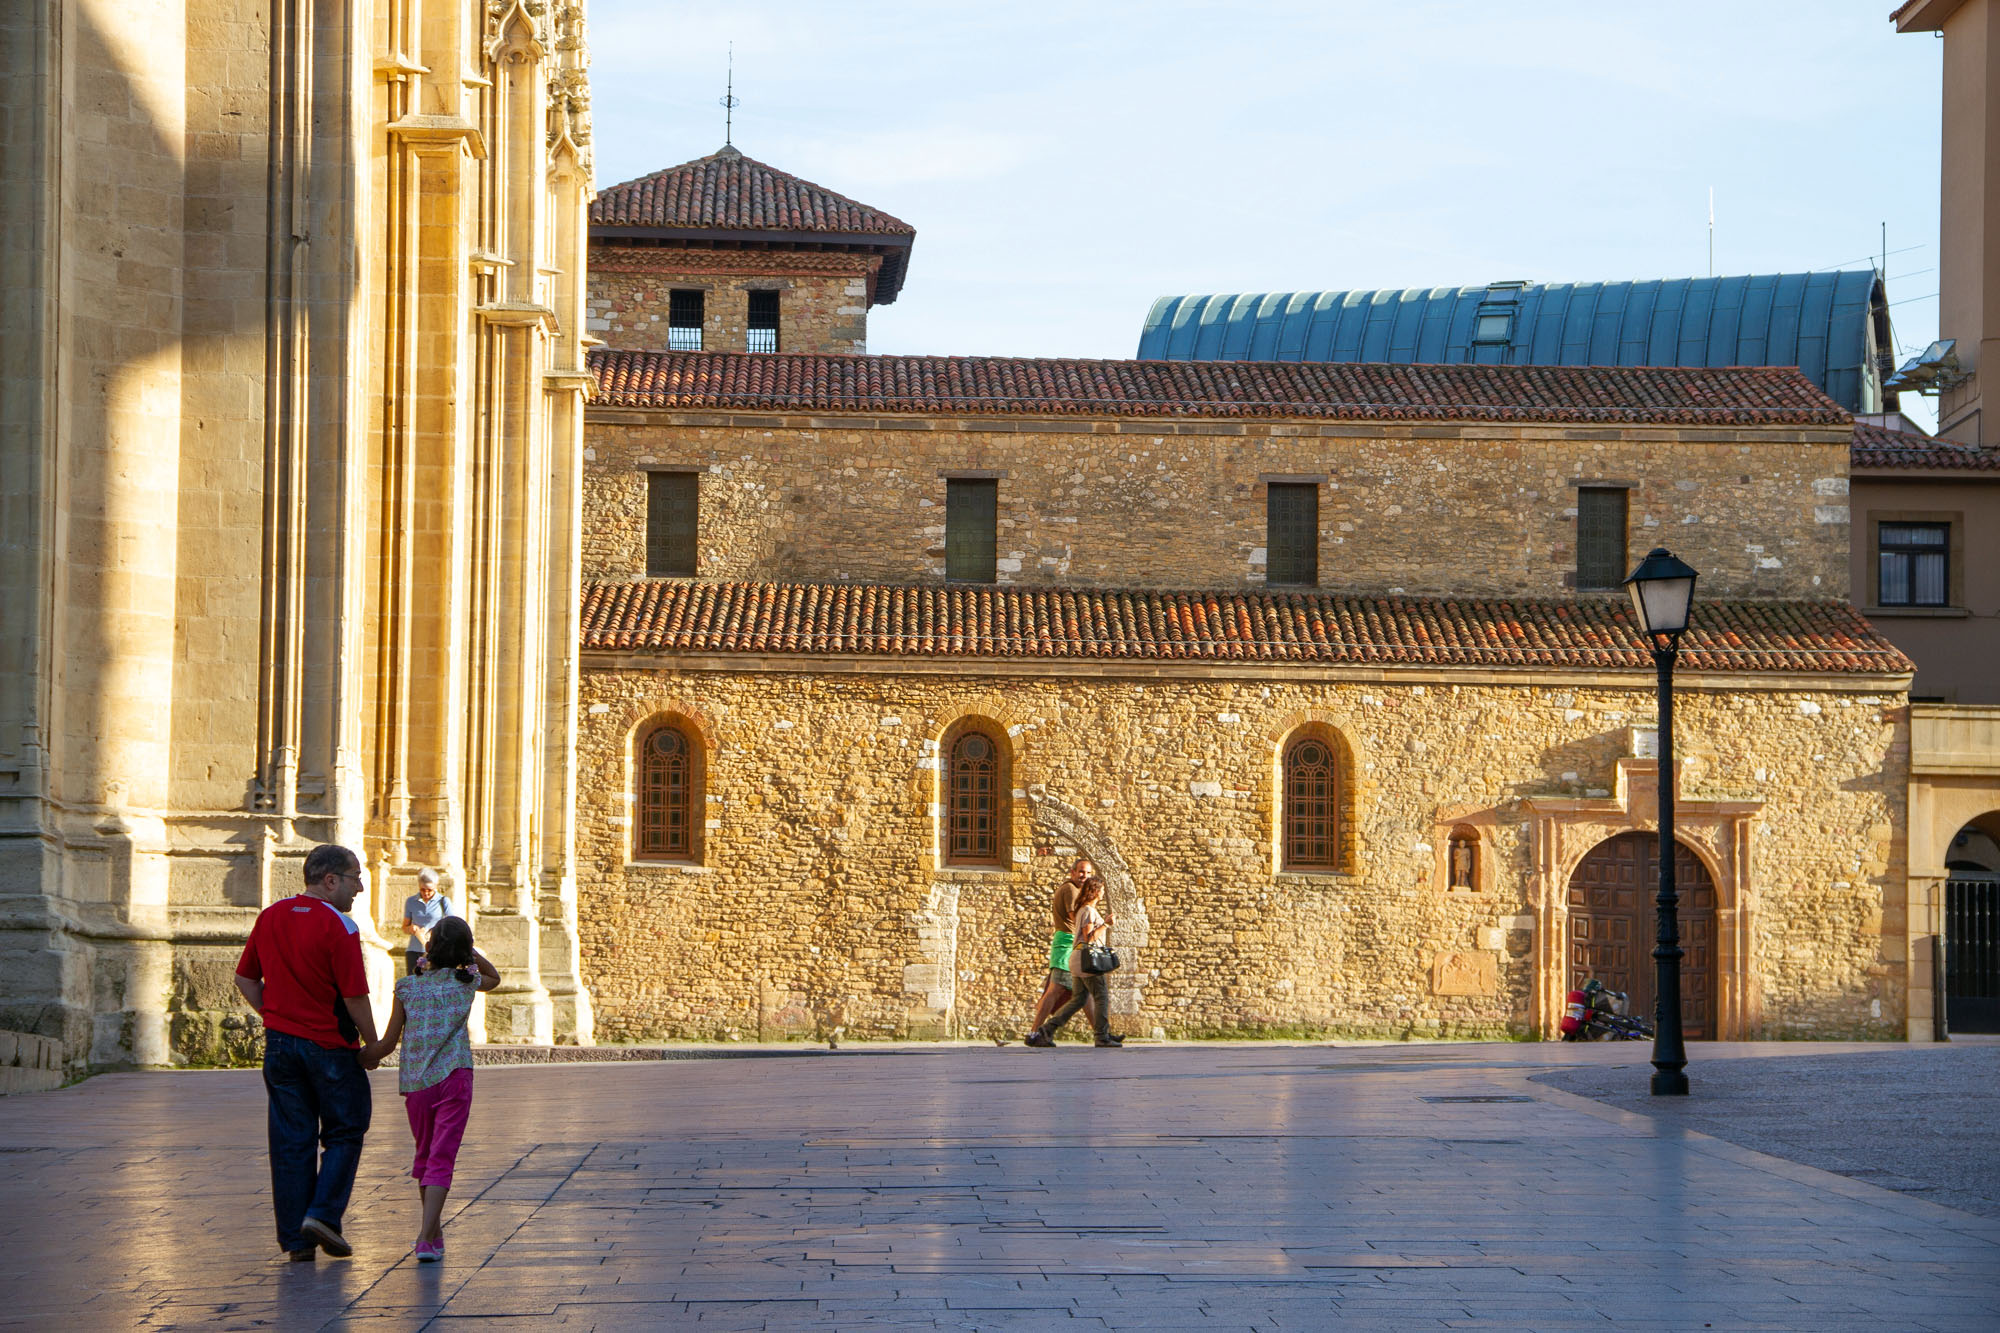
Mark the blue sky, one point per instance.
(1065, 164)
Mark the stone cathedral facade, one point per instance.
(292, 383)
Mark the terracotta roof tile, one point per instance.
(731, 192)
(1731, 395)
(1135, 624)
(1879, 447)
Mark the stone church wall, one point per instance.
(1457, 510)
(819, 900)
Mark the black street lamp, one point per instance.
(1662, 591)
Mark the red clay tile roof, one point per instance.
(614, 258)
(1138, 625)
(1714, 396)
(728, 191)
(1879, 447)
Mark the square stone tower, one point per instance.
(726, 254)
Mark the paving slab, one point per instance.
(1202, 1186)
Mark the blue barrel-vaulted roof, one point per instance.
(1834, 326)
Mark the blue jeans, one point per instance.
(316, 1094)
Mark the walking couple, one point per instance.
(302, 971)
(1082, 918)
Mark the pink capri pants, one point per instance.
(437, 1119)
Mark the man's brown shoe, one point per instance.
(1039, 1038)
(324, 1236)
(305, 1255)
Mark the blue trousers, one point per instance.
(320, 1104)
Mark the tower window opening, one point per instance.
(761, 334)
(685, 311)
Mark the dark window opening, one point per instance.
(762, 331)
(1914, 564)
(1291, 533)
(685, 310)
(666, 796)
(672, 522)
(1312, 806)
(974, 805)
(1600, 537)
(971, 528)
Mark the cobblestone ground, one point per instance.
(1921, 1120)
(1171, 1187)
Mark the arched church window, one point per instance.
(975, 801)
(666, 826)
(1312, 806)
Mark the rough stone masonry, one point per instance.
(817, 895)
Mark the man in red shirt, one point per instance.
(302, 972)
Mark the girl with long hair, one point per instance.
(435, 1073)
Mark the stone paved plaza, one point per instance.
(1162, 1187)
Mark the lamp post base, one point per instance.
(1669, 1081)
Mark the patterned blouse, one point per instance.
(435, 1042)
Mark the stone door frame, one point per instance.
(1563, 830)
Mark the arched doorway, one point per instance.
(1972, 929)
(1612, 919)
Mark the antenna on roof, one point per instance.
(1711, 231)
(729, 102)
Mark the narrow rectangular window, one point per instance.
(1914, 564)
(1600, 537)
(1291, 533)
(971, 528)
(685, 309)
(672, 523)
(762, 331)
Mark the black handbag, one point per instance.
(1099, 959)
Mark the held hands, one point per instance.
(371, 1054)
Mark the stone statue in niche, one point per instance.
(1462, 858)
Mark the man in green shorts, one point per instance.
(1055, 992)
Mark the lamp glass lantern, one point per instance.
(1662, 589)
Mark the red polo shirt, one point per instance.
(308, 955)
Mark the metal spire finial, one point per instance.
(729, 102)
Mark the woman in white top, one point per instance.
(1091, 924)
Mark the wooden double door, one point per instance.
(1613, 922)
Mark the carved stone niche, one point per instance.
(1462, 842)
(1563, 830)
